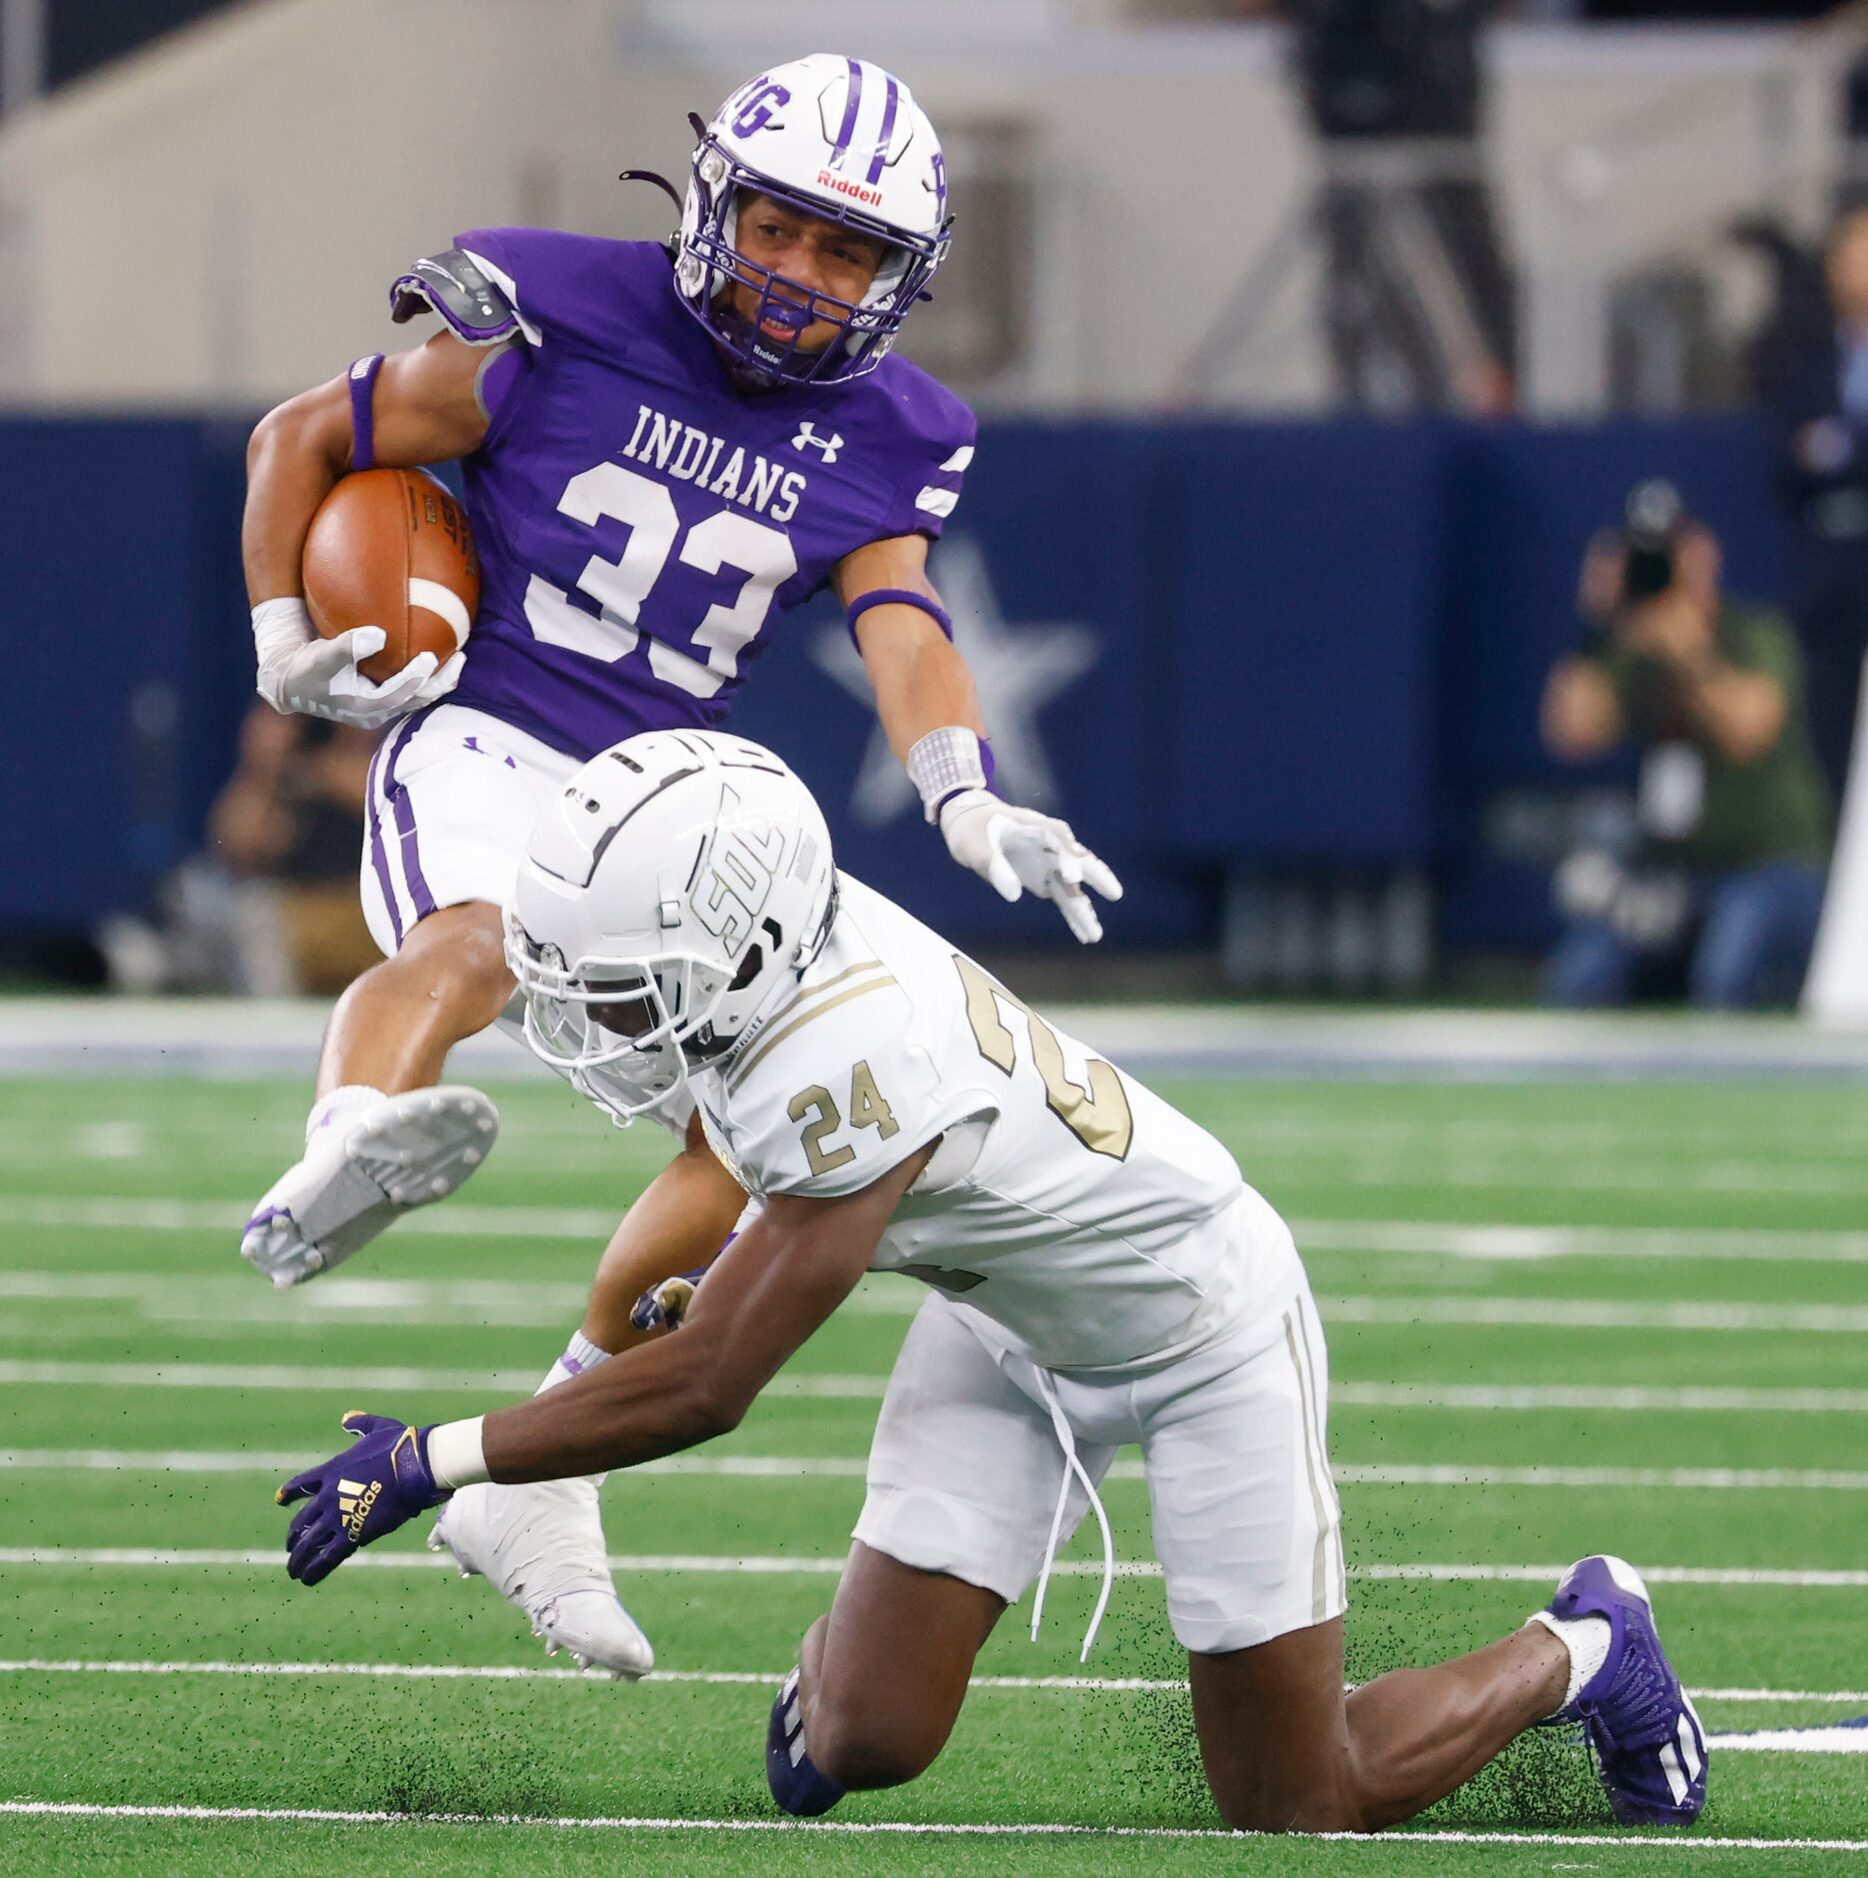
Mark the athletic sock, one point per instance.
(1587, 1639)
(579, 1355)
(796, 1785)
(340, 1106)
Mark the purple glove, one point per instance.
(663, 1306)
(378, 1483)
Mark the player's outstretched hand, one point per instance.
(381, 1481)
(1018, 849)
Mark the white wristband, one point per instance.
(280, 627)
(943, 763)
(456, 1457)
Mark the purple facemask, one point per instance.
(866, 332)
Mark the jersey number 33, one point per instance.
(725, 539)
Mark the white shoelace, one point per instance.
(1066, 1439)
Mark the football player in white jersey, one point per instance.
(1099, 1274)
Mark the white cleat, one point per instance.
(406, 1151)
(542, 1546)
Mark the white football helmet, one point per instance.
(679, 880)
(834, 137)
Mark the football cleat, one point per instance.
(541, 1545)
(797, 1786)
(1649, 1747)
(406, 1151)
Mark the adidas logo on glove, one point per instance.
(354, 1501)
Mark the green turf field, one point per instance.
(1563, 1317)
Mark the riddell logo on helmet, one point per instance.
(844, 187)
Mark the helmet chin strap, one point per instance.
(660, 181)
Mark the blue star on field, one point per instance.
(1018, 668)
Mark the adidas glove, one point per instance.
(378, 1483)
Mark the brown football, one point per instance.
(391, 548)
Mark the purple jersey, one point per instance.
(641, 520)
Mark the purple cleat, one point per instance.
(796, 1785)
(1650, 1749)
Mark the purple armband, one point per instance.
(362, 413)
(898, 596)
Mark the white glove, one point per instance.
(1015, 849)
(298, 671)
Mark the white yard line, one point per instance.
(220, 1315)
(1716, 1479)
(1534, 1244)
(217, 1305)
(726, 1678)
(330, 1816)
(710, 1564)
(1424, 1171)
(781, 1467)
(1500, 1397)
(286, 1461)
(1792, 1741)
(1622, 1399)
(470, 1220)
(309, 1377)
(589, 1145)
(503, 1672)
(1594, 1314)
(1812, 1579)
(461, 1218)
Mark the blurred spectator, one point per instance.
(1813, 374)
(271, 908)
(1420, 301)
(1725, 877)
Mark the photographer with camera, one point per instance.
(1722, 876)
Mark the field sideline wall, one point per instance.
(1215, 647)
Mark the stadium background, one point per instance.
(1278, 660)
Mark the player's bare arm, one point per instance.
(674, 1230)
(426, 409)
(921, 679)
(765, 1296)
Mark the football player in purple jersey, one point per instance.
(666, 448)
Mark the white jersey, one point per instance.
(1092, 1223)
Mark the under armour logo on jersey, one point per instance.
(807, 437)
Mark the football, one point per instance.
(391, 548)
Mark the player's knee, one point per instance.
(1327, 1817)
(460, 953)
(863, 1748)
(1322, 1806)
